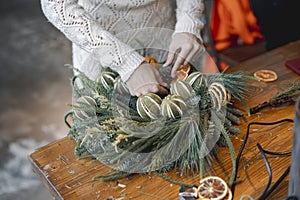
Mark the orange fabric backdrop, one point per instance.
(233, 19)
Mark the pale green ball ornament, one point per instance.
(148, 106)
(84, 107)
(181, 88)
(173, 106)
(120, 87)
(107, 79)
(197, 80)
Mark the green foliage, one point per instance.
(292, 92)
(116, 130)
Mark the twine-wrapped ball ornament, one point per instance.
(120, 87)
(148, 106)
(107, 79)
(172, 106)
(181, 88)
(84, 107)
(197, 80)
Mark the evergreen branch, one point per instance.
(231, 149)
(283, 98)
(234, 111)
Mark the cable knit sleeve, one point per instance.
(188, 15)
(79, 27)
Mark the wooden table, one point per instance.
(70, 178)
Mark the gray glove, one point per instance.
(145, 79)
(187, 46)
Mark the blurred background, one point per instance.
(35, 90)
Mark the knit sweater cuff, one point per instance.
(188, 24)
(131, 61)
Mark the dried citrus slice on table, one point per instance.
(228, 195)
(213, 188)
(265, 75)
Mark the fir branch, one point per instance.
(230, 145)
(234, 119)
(235, 83)
(234, 111)
(283, 98)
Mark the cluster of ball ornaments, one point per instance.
(182, 88)
(151, 106)
(174, 104)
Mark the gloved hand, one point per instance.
(186, 46)
(144, 79)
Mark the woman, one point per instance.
(102, 32)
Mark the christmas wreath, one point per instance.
(156, 132)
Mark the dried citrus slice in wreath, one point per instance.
(152, 61)
(213, 188)
(182, 73)
(266, 75)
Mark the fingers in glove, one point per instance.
(180, 60)
(173, 51)
(145, 78)
(170, 59)
(195, 53)
(159, 79)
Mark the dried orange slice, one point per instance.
(180, 76)
(213, 188)
(182, 73)
(266, 75)
(152, 61)
(185, 68)
(228, 195)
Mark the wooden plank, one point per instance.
(66, 184)
(73, 179)
(239, 53)
(273, 60)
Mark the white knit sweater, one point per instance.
(103, 32)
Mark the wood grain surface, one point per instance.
(66, 177)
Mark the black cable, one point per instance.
(244, 144)
(269, 170)
(274, 186)
(278, 153)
